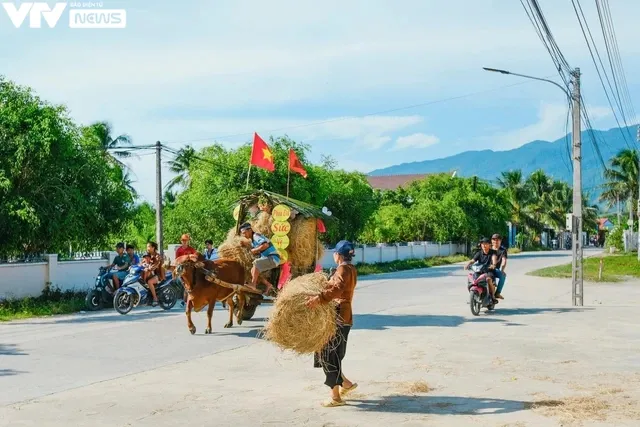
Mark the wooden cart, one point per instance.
(245, 208)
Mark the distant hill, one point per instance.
(552, 157)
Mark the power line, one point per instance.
(338, 119)
(606, 92)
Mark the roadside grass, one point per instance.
(51, 302)
(408, 264)
(615, 268)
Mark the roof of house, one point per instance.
(602, 222)
(393, 182)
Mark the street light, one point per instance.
(576, 220)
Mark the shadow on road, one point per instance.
(542, 255)
(537, 310)
(10, 350)
(379, 322)
(445, 405)
(10, 372)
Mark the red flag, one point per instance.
(318, 268)
(321, 227)
(261, 154)
(285, 274)
(295, 165)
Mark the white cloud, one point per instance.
(551, 125)
(416, 140)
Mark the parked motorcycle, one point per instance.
(478, 287)
(134, 292)
(102, 293)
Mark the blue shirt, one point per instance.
(259, 239)
(135, 260)
(212, 256)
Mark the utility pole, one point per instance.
(159, 197)
(638, 208)
(576, 223)
(576, 215)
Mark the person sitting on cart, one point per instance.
(269, 257)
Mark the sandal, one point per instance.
(348, 390)
(333, 403)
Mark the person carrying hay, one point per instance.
(340, 289)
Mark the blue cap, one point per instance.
(245, 226)
(344, 247)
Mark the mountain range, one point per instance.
(552, 157)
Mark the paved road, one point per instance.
(410, 326)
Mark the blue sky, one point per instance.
(220, 70)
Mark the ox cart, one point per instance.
(294, 228)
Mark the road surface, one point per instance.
(412, 329)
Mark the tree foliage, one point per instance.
(56, 189)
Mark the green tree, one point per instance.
(56, 190)
(180, 165)
(102, 132)
(622, 180)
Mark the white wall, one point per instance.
(19, 280)
(383, 253)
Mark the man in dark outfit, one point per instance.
(501, 264)
(488, 258)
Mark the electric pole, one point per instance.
(159, 197)
(638, 208)
(576, 223)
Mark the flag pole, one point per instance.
(288, 178)
(248, 175)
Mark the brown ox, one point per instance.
(201, 280)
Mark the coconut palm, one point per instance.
(103, 132)
(622, 179)
(514, 187)
(180, 165)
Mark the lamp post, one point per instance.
(576, 218)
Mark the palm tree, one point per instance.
(622, 179)
(514, 187)
(180, 165)
(103, 132)
(540, 188)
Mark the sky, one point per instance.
(372, 83)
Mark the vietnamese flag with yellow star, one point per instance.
(261, 155)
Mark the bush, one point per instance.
(614, 238)
(51, 301)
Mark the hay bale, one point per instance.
(262, 224)
(293, 326)
(302, 249)
(232, 248)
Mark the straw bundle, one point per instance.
(232, 248)
(294, 326)
(262, 224)
(302, 248)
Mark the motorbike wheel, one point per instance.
(93, 300)
(474, 303)
(168, 298)
(122, 302)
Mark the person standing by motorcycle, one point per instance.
(501, 264)
(121, 261)
(487, 257)
(154, 271)
(184, 249)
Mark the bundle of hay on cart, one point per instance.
(294, 228)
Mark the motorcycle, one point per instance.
(134, 292)
(102, 293)
(478, 287)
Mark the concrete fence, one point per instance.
(19, 280)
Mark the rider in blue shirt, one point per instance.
(268, 255)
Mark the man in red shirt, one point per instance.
(184, 249)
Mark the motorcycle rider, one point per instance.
(121, 261)
(135, 259)
(184, 249)
(487, 257)
(501, 265)
(154, 271)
